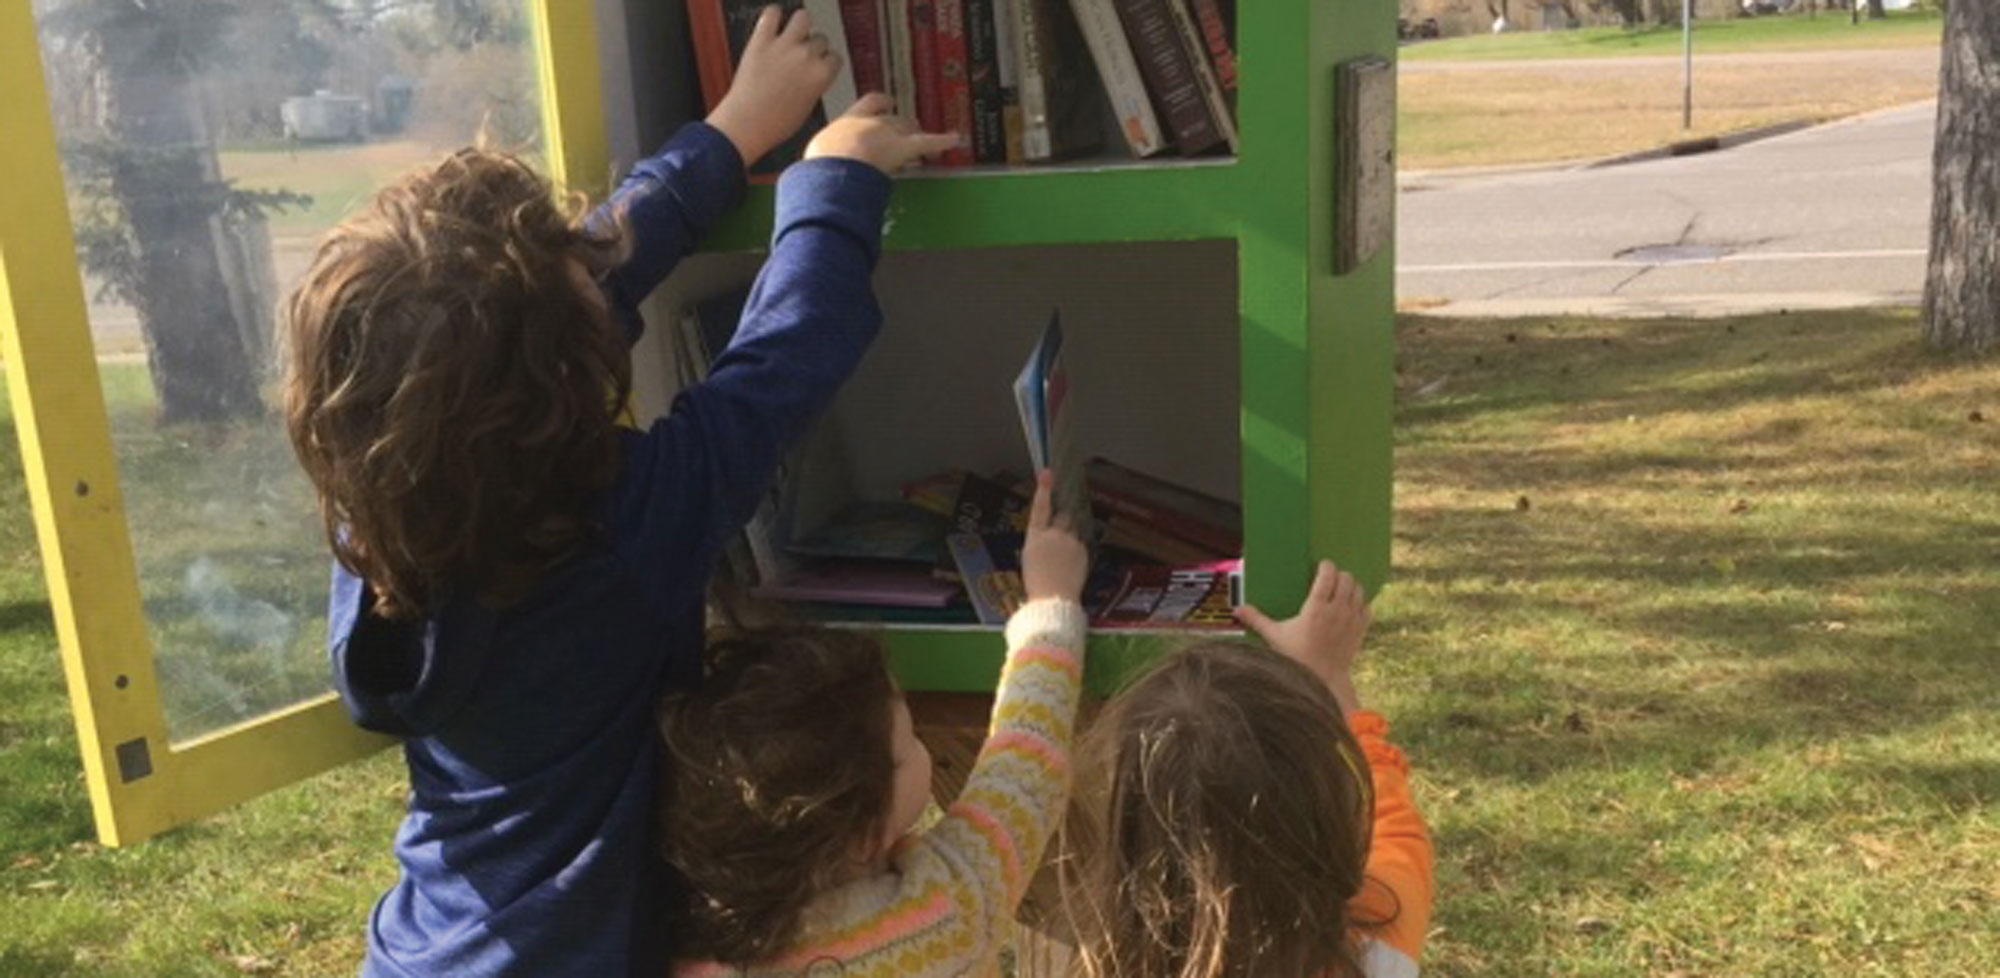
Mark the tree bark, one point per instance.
(1876, 11)
(1962, 294)
(166, 182)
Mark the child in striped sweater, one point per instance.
(794, 782)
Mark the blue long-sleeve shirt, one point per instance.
(531, 749)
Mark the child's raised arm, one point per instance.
(674, 197)
(809, 318)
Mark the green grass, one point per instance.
(1828, 31)
(1720, 700)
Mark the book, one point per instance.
(841, 95)
(1165, 507)
(1204, 72)
(1215, 33)
(990, 566)
(924, 65)
(720, 29)
(1111, 51)
(954, 80)
(1007, 55)
(1198, 518)
(988, 137)
(1042, 394)
(887, 531)
(1202, 596)
(1060, 117)
(1170, 79)
(863, 24)
(898, 57)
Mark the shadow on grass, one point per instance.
(1804, 554)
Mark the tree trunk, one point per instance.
(1876, 11)
(1628, 12)
(1962, 295)
(165, 181)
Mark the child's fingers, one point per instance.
(799, 27)
(1346, 591)
(1258, 622)
(871, 105)
(1325, 580)
(1040, 512)
(768, 20)
(932, 143)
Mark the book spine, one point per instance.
(829, 22)
(1218, 542)
(924, 63)
(982, 42)
(1163, 60)
(708, 29)
(1204, 73)
(1215, 35)
(1030, 31)
(954, 79)
(1118, 68)
(899, 58)
(1007, 62)
(862, 20)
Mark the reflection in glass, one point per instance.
(206, 144)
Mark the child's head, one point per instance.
(793, 767)
(1221, 824)
(450, 378)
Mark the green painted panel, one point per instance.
(1035, 206)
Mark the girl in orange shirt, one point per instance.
(1239, 814)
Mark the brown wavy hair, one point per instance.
(450, 383)
(779, 769)
(1221, 824)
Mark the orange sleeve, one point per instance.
(1398, 887)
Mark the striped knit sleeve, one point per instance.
(992, 837)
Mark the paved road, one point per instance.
(1832, 216)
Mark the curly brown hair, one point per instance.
(1221, 824)
(779, 771)
(450, 383)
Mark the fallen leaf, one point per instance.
(1522, 505)
(43, 885)
(1576, 722)
(1592, 925)
(1975, 417)
(1740, 506)
(25, 862)
(253, 964)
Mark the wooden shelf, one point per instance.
(1097, 201)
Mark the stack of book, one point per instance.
(1024, 81)
(949, 550)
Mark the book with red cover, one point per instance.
(1221, 49)
(1213, 524)
(720, 29)
(924, 64)
(954, 68)
(1170, 78)
(863, 21)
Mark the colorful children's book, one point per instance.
(882, 585)
(1042, 394)
(1202, 596)
(990, 567)
(1213, 524)
(720, 30)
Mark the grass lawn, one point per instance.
(1830, 30)
(338, 177)
(1500, 114)
(1691, 642)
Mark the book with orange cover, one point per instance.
(720, 30)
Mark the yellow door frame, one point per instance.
(140, 783)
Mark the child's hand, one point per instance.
(1054, 563)
(871, 134)
(1325, 635)
(782, 76)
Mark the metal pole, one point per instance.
(1687, 64)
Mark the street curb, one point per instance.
(1693, 147)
